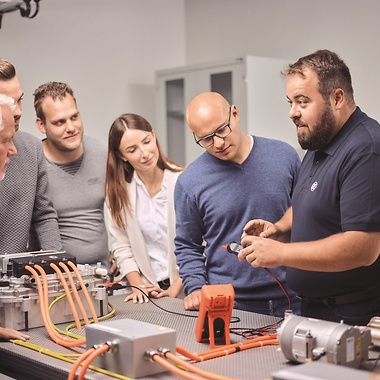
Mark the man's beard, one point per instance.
(323, 131)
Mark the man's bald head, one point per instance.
(214, 123)
(203, 109)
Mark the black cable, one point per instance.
(234, 319)
(162, 308)
(259, 331)
(234, 248)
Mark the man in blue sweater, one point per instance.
(238, 177)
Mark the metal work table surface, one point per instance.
(256, 363)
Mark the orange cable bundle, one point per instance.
(90, 358)
(43, 297)
(229, 349)
(78, 362)
(173, 369)
(68, 296)
(85, 291)
(75, 292)
(192, 368)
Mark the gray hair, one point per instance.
(6, 100)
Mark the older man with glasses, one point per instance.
(7, 150)
(239, 177)
(7, 131)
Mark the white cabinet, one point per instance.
(253, 84)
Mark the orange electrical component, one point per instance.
(213, 323)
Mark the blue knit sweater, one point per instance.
(214, 199)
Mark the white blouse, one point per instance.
(151, 214)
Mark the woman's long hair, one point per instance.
(119, 172)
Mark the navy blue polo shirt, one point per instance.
(338, 190)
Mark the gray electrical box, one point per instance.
(132, 340)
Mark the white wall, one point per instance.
(220, 29)
(107, 50)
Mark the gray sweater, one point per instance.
(79, 201)
(24, 203)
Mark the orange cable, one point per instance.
(85, 291)
(228, 349)
(256, 339)
(173, 369)
(45, 296)
(269, 342)
(194, 369)
(90, 358)
(68, 296)
(232, 350)
(108, 285)
(190, 355)
(75, 292)
(41, 298)
(78, 362)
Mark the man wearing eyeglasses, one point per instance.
(7, 150)
(238, 176)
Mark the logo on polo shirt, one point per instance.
(314, 186)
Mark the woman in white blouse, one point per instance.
(140, 183)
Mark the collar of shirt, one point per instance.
(142, 185)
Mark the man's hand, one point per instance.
(261, 252)
(7, 334)
(192, 301)
(279, 231)
(259, 227)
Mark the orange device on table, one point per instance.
(213, 324)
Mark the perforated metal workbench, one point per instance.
(256, 363)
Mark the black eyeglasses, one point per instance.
(221, 132)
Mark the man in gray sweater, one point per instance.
(24, 205)
(76, 173)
